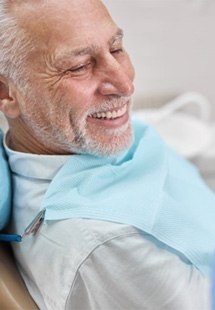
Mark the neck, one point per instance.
(21, 139)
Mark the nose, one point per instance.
(116, 79)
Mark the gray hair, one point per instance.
(14, 46)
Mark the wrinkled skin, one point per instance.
(77, 67)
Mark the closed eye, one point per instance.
(117, 51)
(80, 68)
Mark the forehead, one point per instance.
(50, 23)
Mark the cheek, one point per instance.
(78, 95)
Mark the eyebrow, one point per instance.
(118, 36)
(85, 51)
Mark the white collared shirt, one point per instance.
(81, 264)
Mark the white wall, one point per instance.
(172, 45)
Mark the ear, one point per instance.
(8, 102)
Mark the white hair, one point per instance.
(14, 46)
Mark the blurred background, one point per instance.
(172, 46)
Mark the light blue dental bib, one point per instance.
(149, 187)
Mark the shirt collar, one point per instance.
(33, 165)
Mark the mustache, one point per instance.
(115, 103)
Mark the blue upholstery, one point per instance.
(5, 186)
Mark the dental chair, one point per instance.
(13, 293)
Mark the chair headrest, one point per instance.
(5, 186)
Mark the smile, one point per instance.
(110, 114)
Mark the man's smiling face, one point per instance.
(80, 79)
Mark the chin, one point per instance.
(108, 143)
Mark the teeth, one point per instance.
(110, 115)
(114, 114)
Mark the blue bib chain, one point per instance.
(32, 228)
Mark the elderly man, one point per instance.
(65, 87)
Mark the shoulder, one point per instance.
(53, 257)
